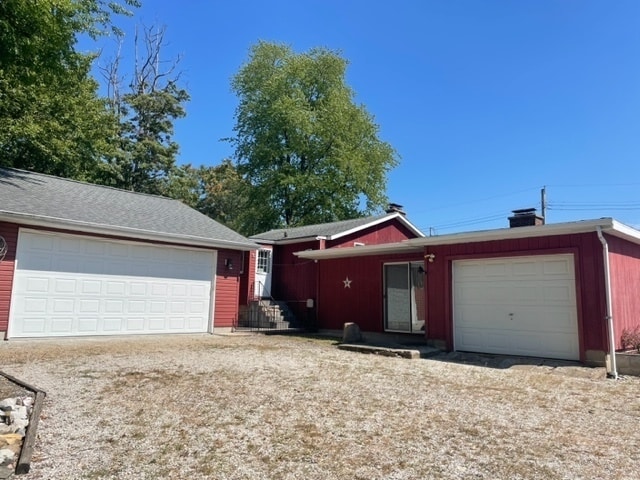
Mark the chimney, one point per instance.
(525, 217)
(394, 207)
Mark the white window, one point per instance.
(264, 261)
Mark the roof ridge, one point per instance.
(83, 182)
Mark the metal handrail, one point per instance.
(263, 289)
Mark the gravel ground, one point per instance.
(265, 407)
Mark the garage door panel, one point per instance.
(33, 305)
(515, 342)
(114, 306)
(37, 285)
(137, 288)
(533, 293)
(91, 287)
(36, 261)
(89, 305)
(134, 324)
(117, 288)
(558, 267)
(110, 294)
(34, 324)
(522, 269)
(88, 325)
(157, 323)
(62, 306)
(113, 324)
(61, 325)
(177, 322)
(519, 305)
(197, 307)
(136, 306)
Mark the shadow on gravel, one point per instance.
(541, 365)
(395, 346)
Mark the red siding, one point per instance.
(10, 233)
(382, 233)
(227, 293)
(294, 279)
(247, 276)
(624, 260)
(362, 302)
(587, 252)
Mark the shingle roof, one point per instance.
(42, 198)
(327, 230)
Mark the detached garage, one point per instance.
(83, 259)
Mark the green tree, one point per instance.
(146, 154)
(184, 183)
(309, 152)
(51, 118)
(224, 196)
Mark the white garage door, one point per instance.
(516, 306)
(67, 285)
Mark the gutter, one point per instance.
(613, 372)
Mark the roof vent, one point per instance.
(525, 217)
(395, 208)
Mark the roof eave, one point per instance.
(364, 250)
(624, 231)
(566, 228)
(375, 222)
(133, 233)
(608, 225)
(288, 241)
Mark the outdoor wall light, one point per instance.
(228, 263)
(430, 257)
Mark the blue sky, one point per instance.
(485, 101)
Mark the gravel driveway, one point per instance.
(266, 407)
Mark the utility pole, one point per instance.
(543, 203)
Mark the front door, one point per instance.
(404, 297)
(263, 273)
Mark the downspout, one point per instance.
(613, 372)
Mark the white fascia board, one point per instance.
(378, 221)
(342, 252)
(410, 225)
(263, 242)
(132, 233)
(288, 241)
(624, 231)
(608, 225)
(516, 232)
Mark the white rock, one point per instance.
(8, 402)
(6, 454)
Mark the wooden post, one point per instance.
(24, 460)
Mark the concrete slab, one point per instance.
(411, 352)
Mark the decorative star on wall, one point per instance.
(347, 282)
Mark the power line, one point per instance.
(596, 205)
(591, 185)
(470, 221)
(592, 208)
